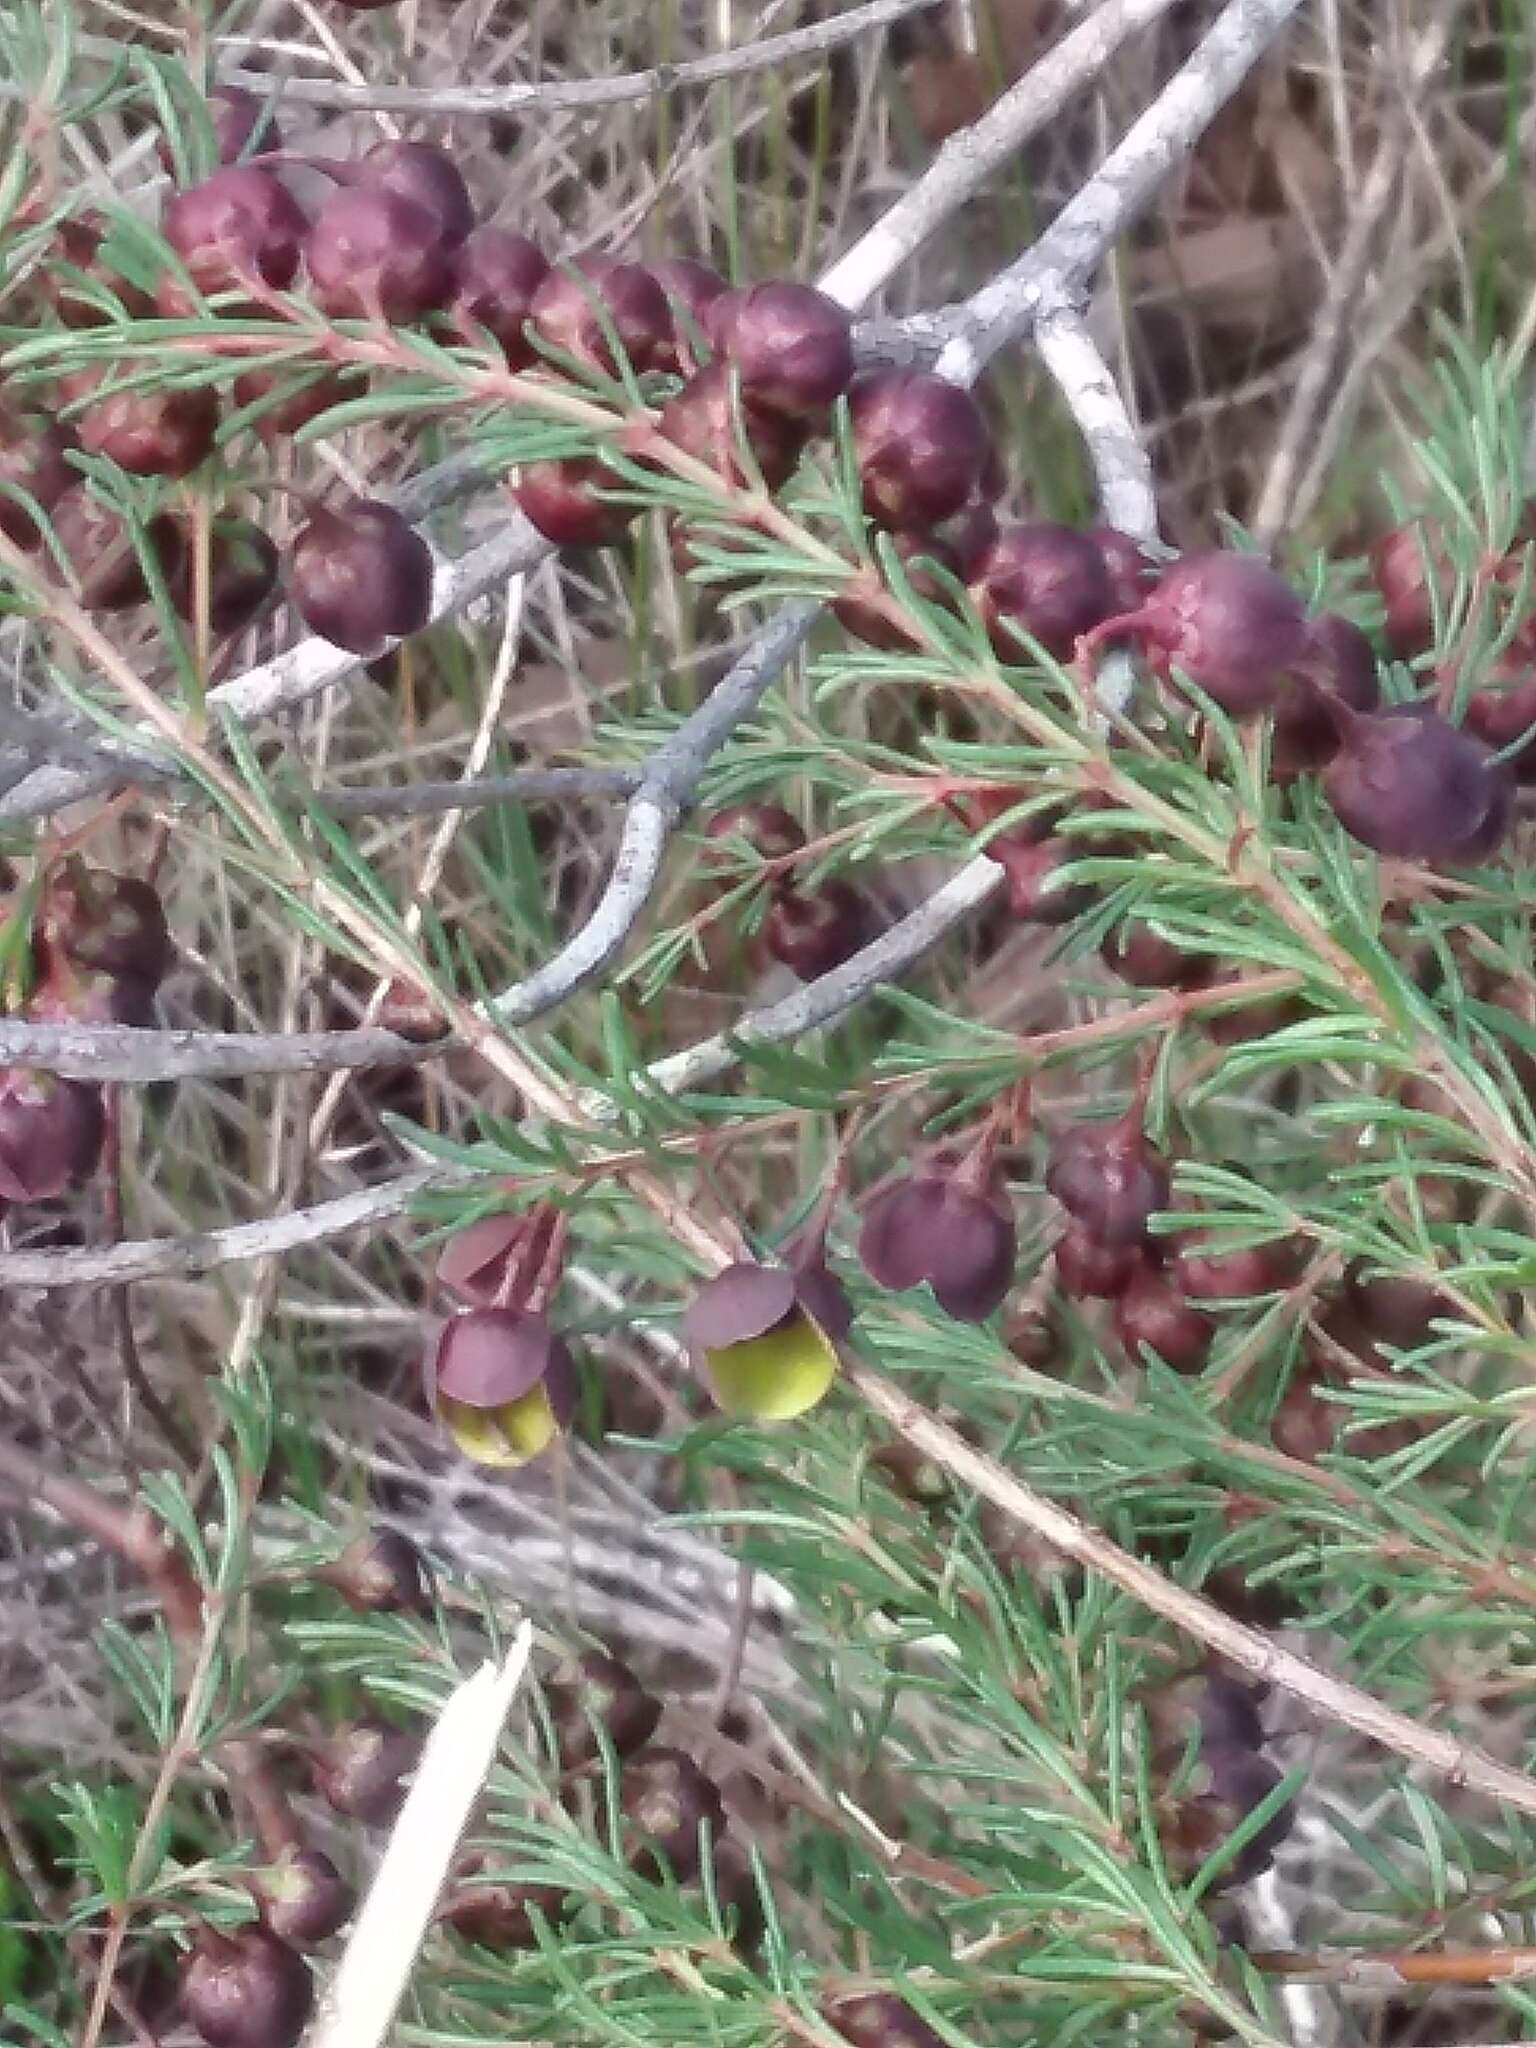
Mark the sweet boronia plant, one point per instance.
(1213, 1233)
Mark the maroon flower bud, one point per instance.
(495, 276)
(1306, 1425)
(148, 433)
(1087, 1270)
(1143, 957)
(879, 2019)
(1501, 718)
(374, 254)
(114, 924)
(361, 576)
(1044, 581)
(768, 829)
(99, 552)
(1339, 667)
(1034, 892)
(597, 1691)
(359, 1770)
(921, 446)
(692, 289)
(1224, 622)
(242, 576)
(961, 1239)
(34, 454)
(1109, 1179)
(1410, 569)
(1230, 1783)
(502, 1384)
(428, 177)
(1407, 783)
(1153, 1313)
(79, 248)
(304, 1898)
(1230, 1276)
(381, 1573)
(567, 502)
(50, 1133)
(241, 224)
(1131, 570)
(792, 346)
(812, 931)
(863, 608)
(766, 1336)
(241, 123)
(666, 1800)
(575, 302)
(294, 404)
(247, 1989)
(504, 1916)
(1394, 1308)
(708, 421)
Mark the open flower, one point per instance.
(501, 1383)
(767, 1337)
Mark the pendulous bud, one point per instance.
(1109, 1179)
(813, 931)
(1407, 783)
(358, 1772)
(381, 1573)
(242, 224)
(1042, 582)
(246, 1989)
(595, 1691)
(577, 305)
(792, 346)
(495, 276)
(361, 576)
(374, 254)
(51, 1133)
(962, 1240)
(304, 1898)
(921, 446)
(666, 1800)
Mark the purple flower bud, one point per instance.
(429, 178)
(708, 423)
(358, 1771)
(102, 557)
(78, 244)
(1087, 1269)
(1110, 1179)
(374, 254)
(1410, 569)
(302, 401)
(242, 576)
(1503, 717)
(564, 501)
(148, 433)
(495, 276)
(1152, 1312)
(241, 224)
(1034, 894)
(1143, 957)
(566, 313)
(921, 446)
(770, 830)
(963, 1242)
(812, 931)
(304, 1898)
(246, 1989)
(113, 924)
(381, 1573)
(792, 346)
(501, 1916)
(692, 289)
(1043, 580)
(1339, 666)
(1226, 623)
(1407, 783)
(50, 1133)
(361, 576)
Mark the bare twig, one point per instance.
(525, 786)
(586, 94)
(121, 1052)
